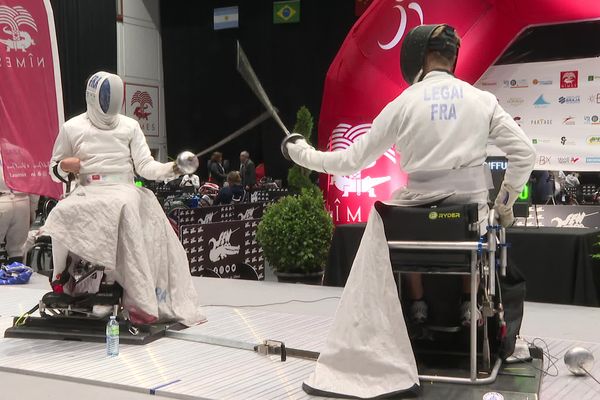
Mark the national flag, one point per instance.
(285, 12)
(225, 18)
(360, 6)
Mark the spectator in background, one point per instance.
(190, 180)
(543, 187)
(17, 213)
(247, 170)
(216, 171)
(572, 179)
(233, 193)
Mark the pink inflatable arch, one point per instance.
(365, 75)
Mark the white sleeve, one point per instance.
(364, 151)
(510, 138)
(144, 163)
(62, 149)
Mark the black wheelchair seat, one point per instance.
(430, 223)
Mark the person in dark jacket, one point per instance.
(233, 193)
(247, 170)
(216, 171)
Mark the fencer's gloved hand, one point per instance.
(176, 170)
(70, 165)
(295, 148)
(289, 140)
(504, 205)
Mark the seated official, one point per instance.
(233, 193)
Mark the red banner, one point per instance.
(360, 6)
(365, 76)
(31, 108)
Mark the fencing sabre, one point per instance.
(266, 347)
(188, 162)
(246, 71)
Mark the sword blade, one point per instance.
(247, 72)
(241, 345)
(262, 117)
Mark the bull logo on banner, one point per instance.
(144, 100)
(13, 18)
(350, 197)
(341, 138)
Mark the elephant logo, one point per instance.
(574, 220)
(144, 100)
(249, 214)
(222, 248)
(14, 18)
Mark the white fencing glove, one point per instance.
(504, 205)
(290, 140)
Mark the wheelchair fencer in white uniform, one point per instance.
(441, 126)
(108, 221)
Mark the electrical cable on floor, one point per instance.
(552, 360)
(272, 304)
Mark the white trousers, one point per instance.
(59, 258)
(14, 222)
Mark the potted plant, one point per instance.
(299, 177)
(295, 234)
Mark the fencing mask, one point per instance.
(104, 98)
(418, 42)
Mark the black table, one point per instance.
(556, 262)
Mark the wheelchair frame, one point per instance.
(494, 248)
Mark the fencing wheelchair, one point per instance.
(446, 240)
(82, 299)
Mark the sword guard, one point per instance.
(291, 138)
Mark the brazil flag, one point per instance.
(285, 12)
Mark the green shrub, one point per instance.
(299, 177)
(295, 233)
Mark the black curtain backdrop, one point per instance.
(205, 97)
(86, 32)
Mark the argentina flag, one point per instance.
(225, 18)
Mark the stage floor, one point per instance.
(175, 368)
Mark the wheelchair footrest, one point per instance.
(82, 330)
(444, 329)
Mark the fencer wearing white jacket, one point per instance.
(109, 221)
(441, 126)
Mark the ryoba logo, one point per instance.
(436, 215)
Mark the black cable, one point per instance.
(552, 360)
(272, 304)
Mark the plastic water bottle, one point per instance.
(112, 337)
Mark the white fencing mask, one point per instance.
(104, 98)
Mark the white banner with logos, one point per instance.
(557, 104)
